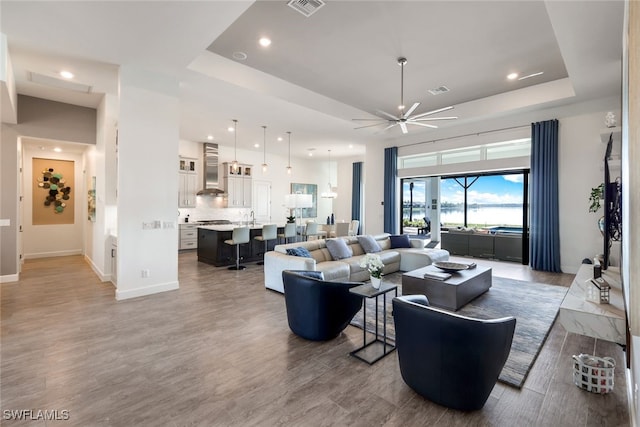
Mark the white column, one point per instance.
(147, 164)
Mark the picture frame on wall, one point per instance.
(312, 189)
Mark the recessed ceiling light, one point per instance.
(240, 56)
(210, 137)
(512, 76)
(279, 138)
(350, 145)
(230, 128)
(256, 145)
(57, 149)
(66, 74)
(264, 41)
(311, 150)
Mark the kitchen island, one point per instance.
(213, 250)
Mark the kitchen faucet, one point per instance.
(253, 218)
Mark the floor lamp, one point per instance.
(298, 201)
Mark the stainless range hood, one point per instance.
(211, 182)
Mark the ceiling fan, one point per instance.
(405, 117)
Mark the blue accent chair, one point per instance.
(318, 310)
(449, 359)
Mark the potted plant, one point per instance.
(291, 219)
(374, 265)
(597, 194)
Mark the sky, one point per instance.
(486, 190)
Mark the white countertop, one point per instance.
(230, 227)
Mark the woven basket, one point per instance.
(594, 374)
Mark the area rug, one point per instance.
(534, 305)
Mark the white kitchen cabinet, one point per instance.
(188, 236)
(238, 185)
(187, 189)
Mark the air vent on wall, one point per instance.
(438, 90)
(58, 83)
(306, 7)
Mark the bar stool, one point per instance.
(289, 231)
(269, 232)
(240, 236)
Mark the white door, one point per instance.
(262, 201)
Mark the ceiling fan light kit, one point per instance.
(405, 118)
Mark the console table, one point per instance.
(602, 321)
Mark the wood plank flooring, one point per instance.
(218, 352)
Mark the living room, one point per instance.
(580, 133)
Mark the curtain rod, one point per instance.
(469, 134)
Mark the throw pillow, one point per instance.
(339, 249)
(299, 251)
(369, 244)
(400, 241)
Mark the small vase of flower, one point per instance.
(374, 266)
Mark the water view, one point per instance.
(480, 216)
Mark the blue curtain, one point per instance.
(390, 190)
(544, 243)
(356, 191)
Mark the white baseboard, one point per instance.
(53, 254)
(101, 275)
(8, 278)
(147, 290)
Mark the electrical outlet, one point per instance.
(145, 273)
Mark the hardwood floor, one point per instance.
(218, 352)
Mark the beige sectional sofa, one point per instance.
(346, 269)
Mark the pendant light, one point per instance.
(289, 165)
(264, 150)
(234, 164)
(329, 194)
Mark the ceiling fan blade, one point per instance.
(427, 125)
(433, 118)
(392, 117)
(403, 126)
(389, 127)
(408, 113)
(368, 126)
(430, 112)
(370, 120)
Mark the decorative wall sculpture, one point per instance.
(52, 200)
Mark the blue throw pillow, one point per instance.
(339, 249)
(400, 241)
(299, 251)
(369, 244)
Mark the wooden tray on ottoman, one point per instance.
(450, 294)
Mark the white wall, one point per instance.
(581, 155)
(60, 239)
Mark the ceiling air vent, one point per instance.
(439, 90)
(306, 7)
(58, 83)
